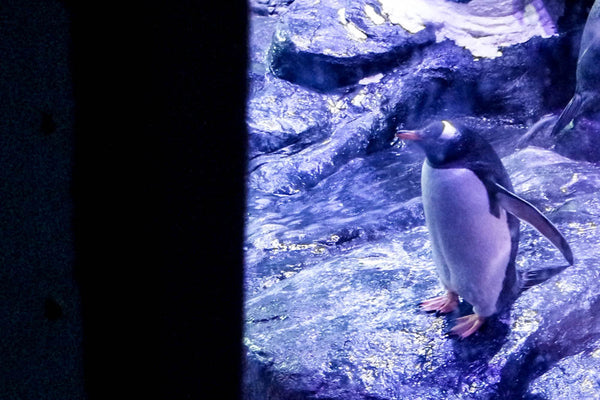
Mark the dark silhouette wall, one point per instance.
(122, 150)
(40, 323)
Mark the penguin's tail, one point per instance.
(529, 279)
(542, 126)
(570, 111)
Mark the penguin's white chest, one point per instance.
(471, 247)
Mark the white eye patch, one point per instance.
(449, 130)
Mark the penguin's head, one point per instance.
(441, 141)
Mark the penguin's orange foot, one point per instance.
(443, 304)
(467, 325)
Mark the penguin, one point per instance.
(587, 85)
(472, 216)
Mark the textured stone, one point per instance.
(328, 44)
(281, 114)
(298, 136)
(269, 7)
(338, 318)
(337, 253)
(483, 27)
(574, 377)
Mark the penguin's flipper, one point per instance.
(528, 213)
(568, 114)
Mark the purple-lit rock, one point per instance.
(574, 376)
(268, 7)
(298, 136)
(439, 80)
(337, 255)
(328, 44)
(282, 115)
(335, 318)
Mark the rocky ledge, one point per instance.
(337, 253)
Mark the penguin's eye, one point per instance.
(449, 131)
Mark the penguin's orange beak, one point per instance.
(408, 135)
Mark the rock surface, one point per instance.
(337, 253)
(336, 316)
(574, 377)
(481, 26)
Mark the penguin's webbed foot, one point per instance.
(467, 325)
(443, 304)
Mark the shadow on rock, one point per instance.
(475, 351)
(487, 342)
(535, 277)
(570, 336)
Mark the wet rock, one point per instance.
(346, 325)
(582, 142)
(337, 255)
(284, 115)
(309, 166)
(269, 7)
(440, 81)
(483, 27)
(359, 202)
(574, 377)
(260, 36)
(328, 44)
(314, 134)
(308, 135)
(448, 83)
